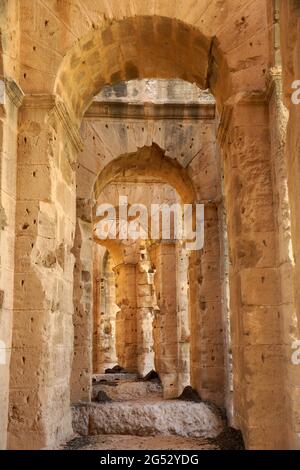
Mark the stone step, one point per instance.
(147, 418)
(115, 377)
(127, 390)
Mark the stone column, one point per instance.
(83, 304)
(225, 305)
(207, 347)
(126, 323)
(146, 305)
(182, 288)
(97, 302)
(107, 318)
(42, 349)
(166, 323)
(285, 255)
(254, 278)
(10, 100)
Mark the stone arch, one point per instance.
(147, 161)
(138, 47)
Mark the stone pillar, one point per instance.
(10, 99)
(97, 302)
(126, 323)
(83, 304)
(107, 317)
(182, 289)
(146, 304)
(285, 255)
(166, 323)
(42, 348)
(225, 305)
(290, 52)
(254, 278)
(207, 354)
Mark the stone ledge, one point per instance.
(119, 110)
(142, 418)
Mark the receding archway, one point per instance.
(148, 162)
(151, 162)
(251, 221)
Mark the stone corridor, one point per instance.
(149, 224)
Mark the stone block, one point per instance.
(34, 182)
(260, 286)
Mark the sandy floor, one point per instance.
(117, 442)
